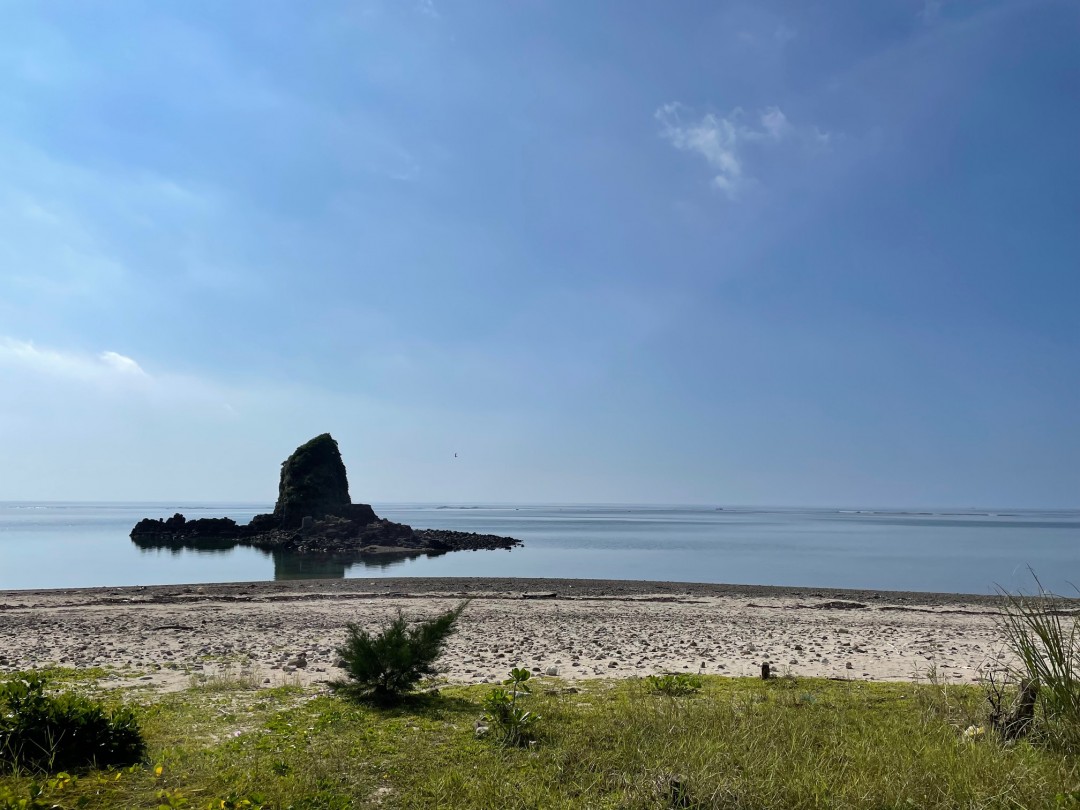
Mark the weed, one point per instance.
(674, 684)
(36, 795)
(513, 721)
(225, 680)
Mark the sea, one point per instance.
(975, 551)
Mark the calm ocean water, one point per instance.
(61, 545)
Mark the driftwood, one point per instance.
(677, 794)
(1013, 722)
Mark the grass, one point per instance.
(798, 743)
(226, 679)
(1042, 632)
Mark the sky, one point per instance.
(786, 253)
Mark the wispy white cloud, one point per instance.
(723, 141)
(715, 139)
(58, 375)
(71, 365)
(775, 123)
(120, 363)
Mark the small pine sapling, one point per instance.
(383, 667)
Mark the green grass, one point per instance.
(1043, 633)
(734, 744)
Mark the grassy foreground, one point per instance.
(734, 744)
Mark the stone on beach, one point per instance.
(637, 628)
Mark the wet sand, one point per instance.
(168, 637)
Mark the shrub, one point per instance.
(674, 684)
(1043, 635)
(513, 721)
(384, 667)
(65, 731)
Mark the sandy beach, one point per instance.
(167, 637)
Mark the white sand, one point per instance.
(162, 636)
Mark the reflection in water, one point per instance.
(212, 547)
(288, 564)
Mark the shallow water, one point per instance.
(60, 545)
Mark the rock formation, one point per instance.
(313, 515)
(314, 484)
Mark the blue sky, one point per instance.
(732, 253)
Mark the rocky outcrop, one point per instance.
(180, 527)
(314, 484)
(313, 515)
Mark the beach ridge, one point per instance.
(163, 636)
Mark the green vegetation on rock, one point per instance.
(313, 481)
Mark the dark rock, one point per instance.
(447, 540)
(313, 483)
(313, 517)
(178, 526)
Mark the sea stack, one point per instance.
(314, 484)
(314, 514)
